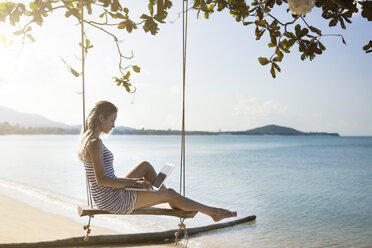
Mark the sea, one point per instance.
(306, 191)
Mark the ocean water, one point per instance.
(305, 191)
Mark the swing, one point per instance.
(89, 210)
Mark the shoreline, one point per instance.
(22, 223)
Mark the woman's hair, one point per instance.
(92, 123)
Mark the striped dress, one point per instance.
(114, 200)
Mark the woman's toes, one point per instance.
(223, 213)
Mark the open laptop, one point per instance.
(160, 179)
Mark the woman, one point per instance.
(108, 191)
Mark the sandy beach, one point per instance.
(20, 223)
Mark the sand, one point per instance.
(21, 223)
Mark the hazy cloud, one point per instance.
(254, 107)
(254, 111)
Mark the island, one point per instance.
(6, 128)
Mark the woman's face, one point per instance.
(108, 123)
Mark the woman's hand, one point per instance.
(144, 184)
(140, 183)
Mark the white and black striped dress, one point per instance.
(114, 200)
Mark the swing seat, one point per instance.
(88, 211)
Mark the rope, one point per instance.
(183, 145)
(89, 196)
(182, 225)
(87, 227)
(83, 61)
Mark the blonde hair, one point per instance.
(92, 123)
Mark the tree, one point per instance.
(284, 36)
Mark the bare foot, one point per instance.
(222, 214)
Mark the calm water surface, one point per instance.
(305, 191)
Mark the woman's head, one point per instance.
(100, 119)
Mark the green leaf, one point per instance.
(369, 45)
(122, 25)
(291, 42)
(321, 46)
(33, 6)
(315, 30)
(118, 81)
(121, 16)
(261, 23)
(333, 22)
(273, 39)
(129, 26)
(127, 85)
(272, 71)
(151, 26)
(342, 23)
(3, 39)
(247, 23)
(146, 17)
(30, 37)
(2, 6)
(260, 33)
(127, 76)
(136, 68)
(76, 74)
(298, 29)
(263, 61)
(285, 50)
(112, 15)
(304, 32)
(19, 32)
(151, 8)
(280, 54)
(276, 67)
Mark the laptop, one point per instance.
(160, 179)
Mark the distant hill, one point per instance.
(13, 122)
(27, 120)
(279, 130)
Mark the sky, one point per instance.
(226, 88)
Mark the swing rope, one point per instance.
(182, 225)
(89, 196)
(183, 146)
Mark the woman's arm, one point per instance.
(95, 151)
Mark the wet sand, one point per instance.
(21, 223)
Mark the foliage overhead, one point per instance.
(283, 36)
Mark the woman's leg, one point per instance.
(143, 170)
(175, 200)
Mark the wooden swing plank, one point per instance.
(86, 211)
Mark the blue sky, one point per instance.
(227, 88)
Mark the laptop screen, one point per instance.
(163, 174)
